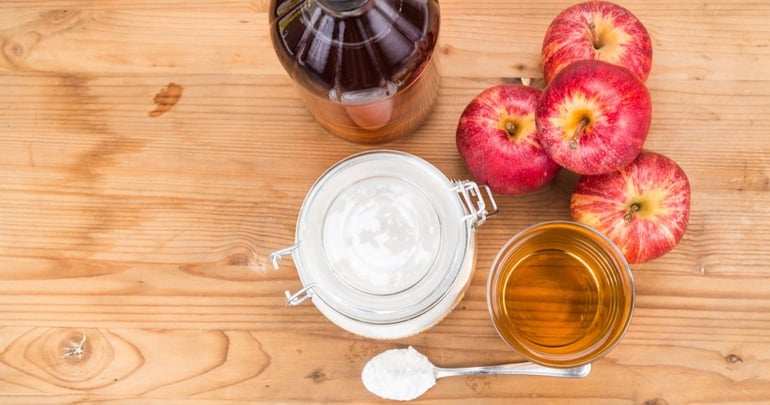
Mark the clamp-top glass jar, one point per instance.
(385, 243)
(365, 68)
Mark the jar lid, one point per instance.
(384, 243)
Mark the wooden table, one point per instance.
(155, 153)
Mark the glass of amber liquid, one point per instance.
(560, 294)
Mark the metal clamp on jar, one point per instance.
(385, 243)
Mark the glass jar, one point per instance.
(560, 293)
(385, 244)
(364, 68)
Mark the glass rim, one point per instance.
(618, 329)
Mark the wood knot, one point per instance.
(75, 355)
(317, 376)
(18, 47)
(67, 357)
(14, 49)
(238, 259)
(656, 401)
(166, 98)
(733, 358)
(76, 350)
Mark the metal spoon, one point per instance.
(523, 368)
(405, 374)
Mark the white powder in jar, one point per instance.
(399, 374)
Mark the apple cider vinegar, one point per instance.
(551, 298)
(395, 115)
(561, 294)
(366, 69)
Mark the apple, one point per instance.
(643, 208)
(497, 139)
(597, 30)
(593, 117)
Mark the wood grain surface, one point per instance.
(154, 153)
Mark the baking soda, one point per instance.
(399, 374)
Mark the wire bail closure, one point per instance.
(276, 256)
(474, 201)
(300, 296)
(303, 294)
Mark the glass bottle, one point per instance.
(364, 68)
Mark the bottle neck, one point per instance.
(344, 7)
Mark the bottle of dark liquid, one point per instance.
(365, 68)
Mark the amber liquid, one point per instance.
(379, 121)
(368, 75)
(560, 297)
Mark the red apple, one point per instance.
(597, 30)
(497, 139)
(643, 208)
(594, 117)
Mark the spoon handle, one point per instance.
(525, 368)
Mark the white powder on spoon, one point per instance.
(399, 374)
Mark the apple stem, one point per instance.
(573, 143)
(633, 209)
(594, 37)
(510, 129)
